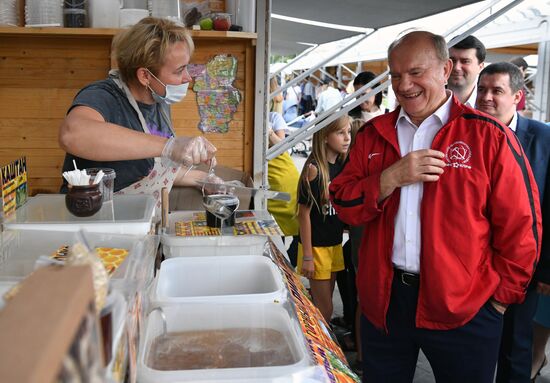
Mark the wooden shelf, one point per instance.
(109, 32)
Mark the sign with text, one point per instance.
(13, 177)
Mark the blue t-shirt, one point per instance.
(111, 102)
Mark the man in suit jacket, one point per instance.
(499, 91)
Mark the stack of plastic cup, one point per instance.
(75, 14)
(107, 182)
(44, 13)
(8, 13)
(167, 9)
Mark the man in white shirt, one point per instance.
(500, 89)
(448, 206)
(468, 57)
(328, 97)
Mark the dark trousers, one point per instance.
(467, 354)
(514, 361)
(345, 280)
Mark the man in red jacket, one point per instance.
(452, 224)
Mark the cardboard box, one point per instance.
(188, 198)
(38, 325)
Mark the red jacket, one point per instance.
(480, 223)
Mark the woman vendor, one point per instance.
(124, 122)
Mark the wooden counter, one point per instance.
(41, 70)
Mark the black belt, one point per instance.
(407, 278)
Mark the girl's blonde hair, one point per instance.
(356, 124)
(145, 46)
(318, 158)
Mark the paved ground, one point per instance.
(423, 370)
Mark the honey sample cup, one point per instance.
(107, 182)
(220, 206)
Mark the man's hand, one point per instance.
(424, 165)
(501, 308)
(543, 288)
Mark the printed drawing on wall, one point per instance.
(217, 98)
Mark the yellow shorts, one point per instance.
(326, 260)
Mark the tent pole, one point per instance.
(261, 115)
(294, 60)
(296, 80)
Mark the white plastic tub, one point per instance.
(20, 250)
(178, 246)
(194, 317)
(227, 279)
(173, 246)
(125, 214)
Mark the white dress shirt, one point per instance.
(406, 241)
(514, 123)
(471, 101)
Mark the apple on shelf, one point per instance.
(222, 21)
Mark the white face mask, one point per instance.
(174, 93)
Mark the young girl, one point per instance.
(320, 248)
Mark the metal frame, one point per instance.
(349, 102)
(319, 65)
(542, 83)
(261, 116)
(294, 60)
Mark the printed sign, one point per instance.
(13, 178)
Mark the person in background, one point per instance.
(282, 175)
(522, 65)
(276, 101)
(371, 107)
(320, 249)
(307, 100)
(328, 96)
(468, 57)
(499, 90)
(445, 249)
(124, 122)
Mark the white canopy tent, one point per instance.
(526, 23)
(295, 37)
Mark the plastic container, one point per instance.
(107, 182)
(234, 278)
(40, 13)
(135, 4)
(104, 13)
(282, 357)
(9, 13)
(129, 17)
(75, 18)
(174, 246)
(21, 249)
(127, 214)
(168, 9)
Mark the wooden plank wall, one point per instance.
(40, 75)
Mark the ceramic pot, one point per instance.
(84, 201)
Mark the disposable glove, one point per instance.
(187, 151)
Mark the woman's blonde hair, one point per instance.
(318, 158)
(145, 46)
